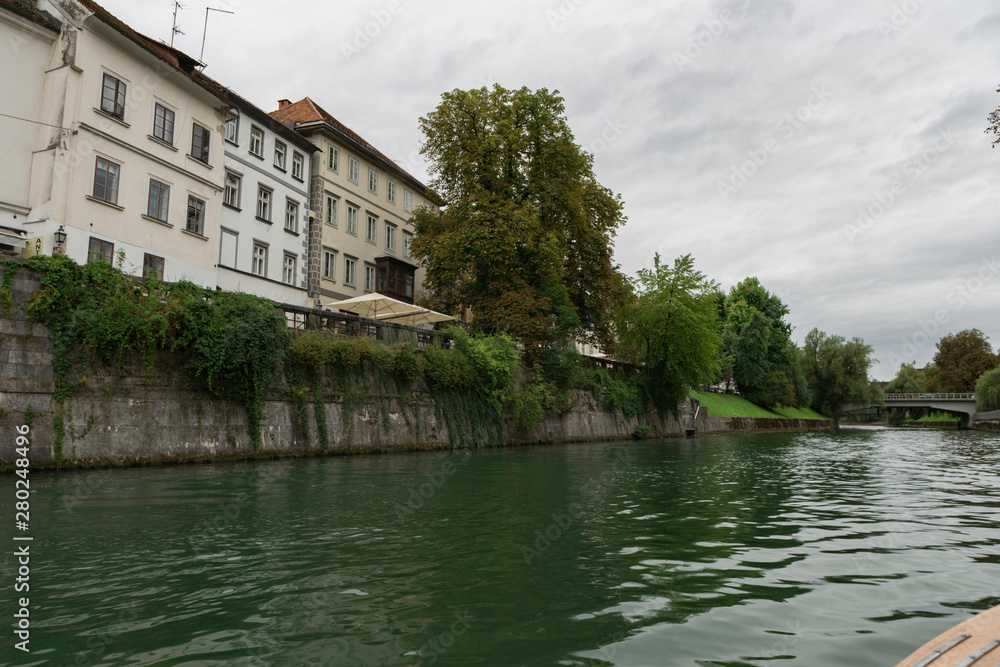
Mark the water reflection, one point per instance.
(815, 548)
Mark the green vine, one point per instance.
(319, 410)
(229, 344)
(9, 271)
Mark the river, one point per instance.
(816, 549)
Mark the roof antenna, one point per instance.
(175, 30)
(201, 56)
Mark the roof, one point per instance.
(30, 13)
(306, 111)
(177, 59)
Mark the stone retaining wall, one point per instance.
(128, 417)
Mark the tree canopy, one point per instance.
(909, 380)
(757, 344)
(526, 237)
(837, 372)
(961, 358)
(670, 329)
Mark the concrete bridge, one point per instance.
(960, 404)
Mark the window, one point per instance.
(264, 204)
(352, 170)
(152, 267)
(163, 124)
(259, 264)
(291, 216)
(288, 269)
(159, 194)
(372, 181)
(352, 219)
(231, 195)
(329, 264)
(100, 251)
(407, 201)
(279, 155)
(330, 211)
(200, 137)
(297, 164)
(350, 267)
(106, 180)
(390, 238)
(390, 192)
(407, 240)
(333, 159)
(369, 278)
(233, 128)
(256, 141)
(372, 233)
(113, 97)
(228, 243)
(195, 215)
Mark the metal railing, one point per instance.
(301, 318)
(930, 397)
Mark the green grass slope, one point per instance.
(727, 405)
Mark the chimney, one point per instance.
(284, 103)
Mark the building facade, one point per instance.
(26, 38)
(266, 216)
(364, 202)
(129, 151)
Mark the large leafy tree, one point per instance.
(671, 330)
(757, 344)
(526, 238)
(961, 358)
(837, 372)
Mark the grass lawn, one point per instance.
(937, 417)
(799, 413)
(727, 405)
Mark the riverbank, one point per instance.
(147, 411)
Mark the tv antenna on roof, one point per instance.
(201, 56)
(175, 30)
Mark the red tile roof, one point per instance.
(307, 111)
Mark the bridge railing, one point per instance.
(930, 397)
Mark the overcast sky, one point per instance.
(835, 149)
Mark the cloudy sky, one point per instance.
(835, 149)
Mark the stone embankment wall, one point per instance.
(131, 416)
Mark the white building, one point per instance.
(26, 38)
(265, 222)
(128, 152)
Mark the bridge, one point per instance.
(962, 404)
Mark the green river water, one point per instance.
(807, 549)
